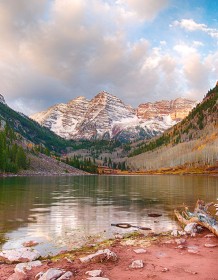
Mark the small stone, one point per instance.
(52, 274)
(191, 228)
(99, 256)
(210, 235)
(94, 273)
(180, 241)
(118, 236)
(169, 242)
(208, 245)
(165, 269)
(140, 251)
(182, 232)
(67, 275)
(175, 232)
(192, 251)
(180, 247)
(137, 264)
(21, 267)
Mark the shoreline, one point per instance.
(163, 257)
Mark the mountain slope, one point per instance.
(107, 117)
(30, 129)
(194, 141)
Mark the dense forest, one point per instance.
(12, 156)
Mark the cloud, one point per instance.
(54, 51)
(145, 10)
(191, 25)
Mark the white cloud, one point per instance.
(145, 10)
(53, 51)
(191, 25)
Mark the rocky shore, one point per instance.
(172, 255)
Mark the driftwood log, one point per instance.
(200, 216)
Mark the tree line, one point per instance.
(12, 156)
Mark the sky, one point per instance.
(52, 51)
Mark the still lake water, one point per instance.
(62, 212)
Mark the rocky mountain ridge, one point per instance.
(107, 117)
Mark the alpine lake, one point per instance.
(67, 211)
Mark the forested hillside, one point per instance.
(12, 156)
(31, 130)
(194, 141)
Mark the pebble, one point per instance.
(208, 245)
(94, 273)
(192, 251)
(137, 264)
(180, 241)
(140, 251)
(209, 235)
(100, 255)
(165, 269)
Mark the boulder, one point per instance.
(19, 255)
(21, 267)
(54, 274)
(100, 256)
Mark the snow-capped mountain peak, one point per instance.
(107, 117)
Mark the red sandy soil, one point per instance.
(161, 261)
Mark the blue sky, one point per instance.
(52, 51)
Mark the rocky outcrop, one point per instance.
(177, 109)
(107, 117)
